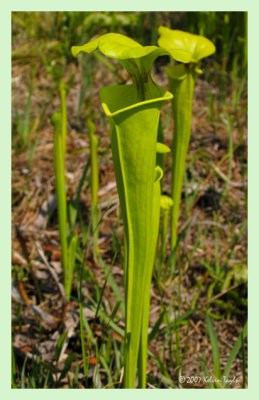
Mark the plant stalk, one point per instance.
(59, 166)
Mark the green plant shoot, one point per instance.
(59, 166)
(133, 112)
(188, 49)
(62, 93)
(166, 204)
(68, 247)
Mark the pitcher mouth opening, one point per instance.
(120, 98)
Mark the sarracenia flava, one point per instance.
(188, 49)
(68, 240)
(133, 112)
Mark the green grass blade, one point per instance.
(215, 346)
(235, 351)
(25, 126)
(59, 345)
(206, 372)
(156, 327)
(23, 373)
(230, 155)
(107, 370)
(13, 370)
(83, 344)
(113, 283)
(67, 365)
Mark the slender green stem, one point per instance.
(83, 344)
(62, 92)
(59, 167)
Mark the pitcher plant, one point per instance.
(188, 49)
(133, 111)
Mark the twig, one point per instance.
(224, 177)
(51, 270)
(221, 294)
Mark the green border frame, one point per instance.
(5, 198)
